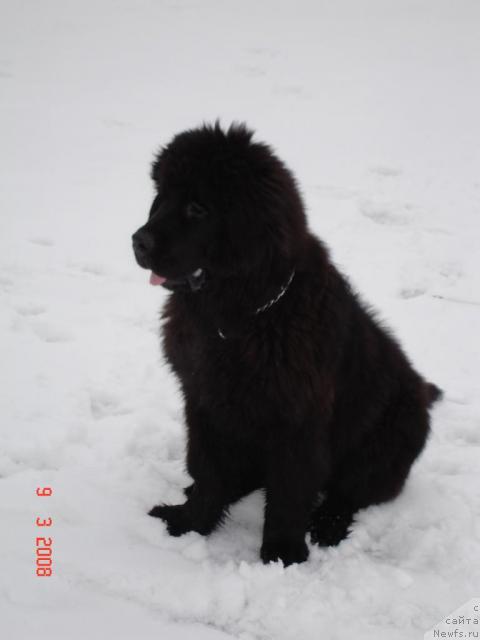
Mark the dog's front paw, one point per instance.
(284, 549)
(175, 517)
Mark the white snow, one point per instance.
(375, 105)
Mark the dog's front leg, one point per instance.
(297, 467)
(208, 498)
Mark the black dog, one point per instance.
(289, 382)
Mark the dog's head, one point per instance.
(224, 205)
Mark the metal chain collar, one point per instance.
(268, 304)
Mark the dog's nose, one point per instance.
(143, 242)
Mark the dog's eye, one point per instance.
(196, 211)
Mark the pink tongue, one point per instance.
(155, 280)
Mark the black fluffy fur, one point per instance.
(310, 397)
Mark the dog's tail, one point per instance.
(434, 393)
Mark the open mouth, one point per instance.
(194, 280)
(157, 280)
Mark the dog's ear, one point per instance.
(157, 166)
(265, 219)
(239, 133)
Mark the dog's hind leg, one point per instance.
(372, 472)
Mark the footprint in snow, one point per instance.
(48, 332)
(289, 90)
(263, 52)
(385, 171)
(386, 213)
(467, 436)
(42, 241)
(104, 403)
(113, 122)
(30, 309)
(451, 271)
(6, 283)
(334, 192)
(411, 292)
(92, 268)
(4, 69)
(251, 71)
(437, 230)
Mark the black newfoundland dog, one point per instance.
(289, 382)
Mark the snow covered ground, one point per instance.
(375, 105)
